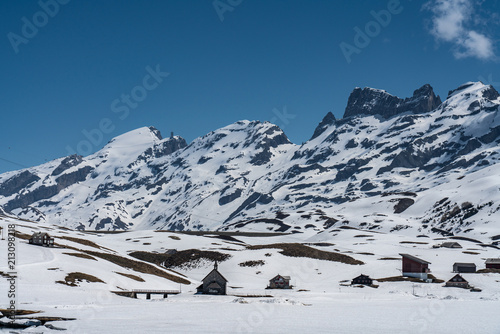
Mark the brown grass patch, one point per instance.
(7, 313)
(136, 278)
(299, 250)
(435, 279)
(471, 253)
(82, 241)
(83, 256)
(174, 237)
(398, 279)
(390, 258)
(414, 242)
(141, 267)
(24, 236)
(72, 279)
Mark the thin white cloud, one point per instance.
(451, 23)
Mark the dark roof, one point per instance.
(40, 234)
(362, 276)
(488, 261)
(414, 258)
(277, 276)
(457, 278)
(217, 273)
(463, 264)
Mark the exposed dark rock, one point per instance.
(297, 170)
(17, 182)
(67, 163)
(328, 120)
(44, 192)
(251, 202)
(403, 204)
(370, 101)
(490, 93)
(223, 200)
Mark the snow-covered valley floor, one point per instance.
(320, 302)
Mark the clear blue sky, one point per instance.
(281, 61)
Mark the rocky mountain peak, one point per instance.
(369, 101)
(328, 120)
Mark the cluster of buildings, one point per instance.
(215, 283)
(415, 267)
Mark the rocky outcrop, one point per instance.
(369, 101)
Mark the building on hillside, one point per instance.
(214, 283)
(362, 279)
(458, 281)
(459, 267)
(451, 244)
(492, 263)
(414, 267)
(279, 282)
(41, 239)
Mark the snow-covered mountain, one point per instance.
(388, 164)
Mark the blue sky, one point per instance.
(77, 73)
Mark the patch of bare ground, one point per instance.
(139, 266)
(72, 279)
(24, 236)
(83, 242)
(390, 258)
(83, 256)
(186, 257)
(136, 278)
(488, 270)
(398, 279)
(414, 242)
(252, 263)
(299, 250)
(8, 313)
(435, 279)
(471, 253)
(408, 279)
(365, 253)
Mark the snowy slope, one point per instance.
(389, 164)
(321, 301)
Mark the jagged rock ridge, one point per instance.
(386, 166)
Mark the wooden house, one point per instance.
(459, 267)
(41, 239)
(214, 283)
(414, 267)
(362, 279)
(458, 281)
(279, 282)
(451, 244)
(492, 263)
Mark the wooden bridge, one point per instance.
(148, 293)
